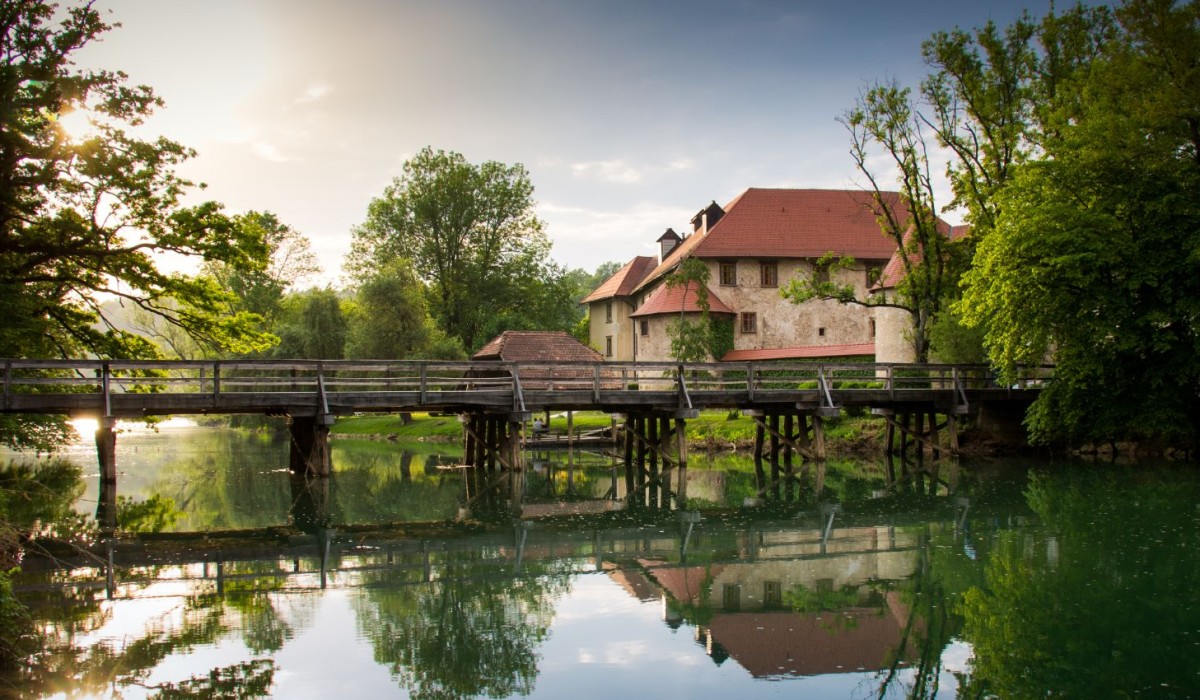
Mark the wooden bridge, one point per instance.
(494, 400)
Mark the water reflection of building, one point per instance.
(790, 602)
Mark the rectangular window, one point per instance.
(644, 325)
(821, 332)
(608, 346)
(768, 274)
(608, 312)
(729, 274)
(820, 273)
(731, 597)
(872, 328)
(772, 594)
(750, 322)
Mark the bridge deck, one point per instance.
(130, 388)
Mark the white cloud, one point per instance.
(587, 237)
(617, 171)
(269, 152)
(314, 92)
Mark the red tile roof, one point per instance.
(536, 346)
(798, 224)
(774, 644)
(669, 300)
(785, 223)
(800, 353)
(623, 281)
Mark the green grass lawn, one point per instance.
(713, 429)
(423, 427)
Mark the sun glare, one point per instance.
(77, 125)
(86, 427)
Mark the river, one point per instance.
(1008, 579)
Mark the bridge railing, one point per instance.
(431, 382)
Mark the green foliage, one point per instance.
(312, 326)
(471, 234)
(720, 336)
(15, 626)
(885, 122)
(697, 339)
(154, 514)
(809, 600)
(952, 342)
(82, 221)
(820, 284)
(389, 319)
(1091, 258)
(66, 206)
(250, 679)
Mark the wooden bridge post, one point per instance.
(681, 439)
(309, 453)
(106, 506)
(818, 438)
(652, 443)
(760, 434)
(106, 449)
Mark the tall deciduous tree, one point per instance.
(885, 125)
(471, 234)
(290, 261)
(1093, 259)
(312, 326)
(389, 319)
(82, 220)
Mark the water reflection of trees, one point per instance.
(1101, 600)
(72, 664)
(474, 631)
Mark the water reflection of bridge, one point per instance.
(741, 586)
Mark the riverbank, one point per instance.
(713, 430)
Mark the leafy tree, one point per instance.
(84, 220)
(389, 319)
(692, 340)
(290, 261)
(1092, 257)
(885, 123)
(952, 342)
(471, 234)
(312, 326)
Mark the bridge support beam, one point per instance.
(918, 430)
(492, 442)
(106, 449)
(779, 436)
(309, 454)
(655, 451)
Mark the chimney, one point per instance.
(707, 217)
(668, 242)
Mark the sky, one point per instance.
(629, 116)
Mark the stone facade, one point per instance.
(611, 329)
(777, 321)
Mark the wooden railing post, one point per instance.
(7, 384)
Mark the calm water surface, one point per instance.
(1025, 580)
